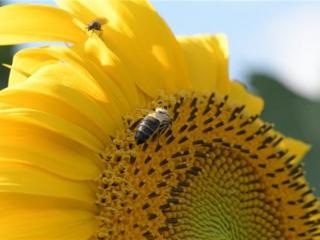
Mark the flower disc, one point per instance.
(217, 173)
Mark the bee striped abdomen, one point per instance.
(148, 126)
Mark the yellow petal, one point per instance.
(95, 50)
(26, 217)
(111, 86)
(20, 178)
(207, 62)
(141, 39)
(21, 23)
(240, 96)
(45, 109)
(72, 94)
(28, 99)
(296, 147)
(14, 118)
(53, 153)
(25, 62)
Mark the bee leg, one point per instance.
(111, 137)
(158, 137)
(135, 124)
(165, 127)
(161, 131)
(170, 125)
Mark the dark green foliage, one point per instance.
(294, 116)
(6, 53)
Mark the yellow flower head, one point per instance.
(70, 167)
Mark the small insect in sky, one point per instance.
(96, 25)
(155, 122)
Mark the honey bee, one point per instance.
(96, 25)
(155, 122)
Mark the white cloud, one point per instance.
(290, 46)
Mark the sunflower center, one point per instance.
(224, 201)
(199, 180)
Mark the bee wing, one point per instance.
(135, 124)
(144, 110)
(101, 20)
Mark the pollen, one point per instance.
(217, 173)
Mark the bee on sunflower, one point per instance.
(71, 167)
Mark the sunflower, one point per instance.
(70, 167)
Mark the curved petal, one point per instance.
(95, 50)
(20, 23)
(74, 163)
(68, 157)
(25, 217)
(72, 94)
(26, 62)
(19, 178)
(14, 118)
(115, 95)
(240, 96)
(296, 147)
(141, 39)
(25, 98)
(207, 62)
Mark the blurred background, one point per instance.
(274, 49)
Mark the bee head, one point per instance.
(162, 114)
(161, 111)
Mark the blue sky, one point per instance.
(238, 20)
(281, 37)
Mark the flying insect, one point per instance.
(96, 25)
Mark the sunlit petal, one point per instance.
(25, 217)
(137, 35)
(22, 24)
